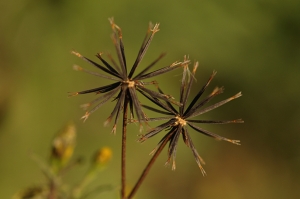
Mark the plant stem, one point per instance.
(148, 167)
(123, 153)
(53, 191)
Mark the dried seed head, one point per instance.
(177, 124)
(126, 82)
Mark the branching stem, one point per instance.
(148, 167)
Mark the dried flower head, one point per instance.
(126, 84)
(179, 120)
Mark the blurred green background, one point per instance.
(253, 44)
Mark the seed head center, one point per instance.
(130, 83)
(180, 121)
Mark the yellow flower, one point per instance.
(102, 156)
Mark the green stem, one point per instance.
(88, 178)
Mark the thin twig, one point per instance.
(148, 167)
(52, 190)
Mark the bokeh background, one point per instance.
(253, 44)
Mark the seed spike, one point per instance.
(155, 28)
(107, 121)
(237, 95)
(85, 106)
(77, 54)
(77, 68)
(176, 63)
(238, 121)
(85, 117)
(202, 170)
(237, 142)
(173, 165)
(112, 23)
(72, 94)
(153, 151)
(141, 128)
(114, 129)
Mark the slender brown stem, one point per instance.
(52, 192)
(148, 167)
(123, 153)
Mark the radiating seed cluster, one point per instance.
(126, 84)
